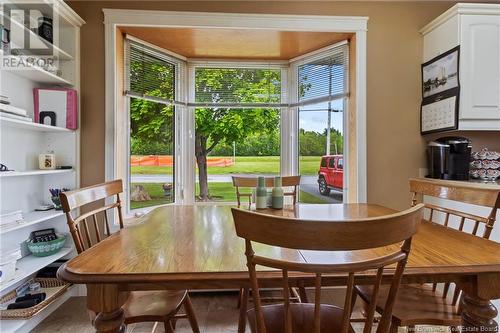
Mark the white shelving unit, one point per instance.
(31, 126)
(29, 265)
(6, 174)
(39, 75)
(20, 144)
(33, 218)
(21, 326)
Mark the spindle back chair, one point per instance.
(286, 181)
(324, 236)
(79, 226)
(479, 196)
(141, 306)
(427, 304)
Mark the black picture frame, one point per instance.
(441, 94)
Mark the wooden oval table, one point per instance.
(195, 247)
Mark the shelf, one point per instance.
(31, 264)
(5, 174)
(38, 74)
(28, 125)
(26, 325)
(33, 218)
(60, 53)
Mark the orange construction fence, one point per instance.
(167, 160)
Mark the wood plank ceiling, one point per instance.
(249, 44)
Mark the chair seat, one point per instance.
(415, 305)
(154, 305)
(302, 318)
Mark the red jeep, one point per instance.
(331, 173)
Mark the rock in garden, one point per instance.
(139, 193)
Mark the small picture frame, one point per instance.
(441, 73)
(46, 161)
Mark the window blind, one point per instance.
(237, 87)
(324, 79)
(149, 75)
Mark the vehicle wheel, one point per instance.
(323, 187)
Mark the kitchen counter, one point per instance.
(473, 183)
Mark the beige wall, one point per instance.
(395, 147)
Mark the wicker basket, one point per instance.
(52, 287)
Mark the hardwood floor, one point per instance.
(216, 313)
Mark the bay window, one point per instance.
(193, 124)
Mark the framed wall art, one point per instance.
(440, 93)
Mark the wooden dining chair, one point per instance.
(351, 235)
(427, 304)
(298, 294)
(247, 182)
(93, 226)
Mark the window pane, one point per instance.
(323, 77)
(234, 142)
(151, 154)
(238, 85)
(331, 163)
(313, 124)
(149, 73)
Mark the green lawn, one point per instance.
(223, 192)
(309, 165)
(309, 198)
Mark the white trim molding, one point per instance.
(462, 8)
(154, 18)
(356, 25)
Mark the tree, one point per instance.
(151, 124)
(312, 143)
(226, 125)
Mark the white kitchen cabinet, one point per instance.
(476, 28)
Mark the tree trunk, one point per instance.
(201, 160)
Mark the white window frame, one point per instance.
(185, 174)
(179, 124)
(295, 64)
(283, 65)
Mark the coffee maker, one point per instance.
(449, 158)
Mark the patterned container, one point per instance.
(43, 249)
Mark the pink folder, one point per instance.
(59, 100)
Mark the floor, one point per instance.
(216, 313)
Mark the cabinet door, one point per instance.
(480, 67)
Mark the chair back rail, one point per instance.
(480, 196)
(81, 226)
(287, 181)
(329, 236)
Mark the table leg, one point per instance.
(478, 315)
(106, 300)
(242, 320)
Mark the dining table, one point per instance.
(196, 247)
